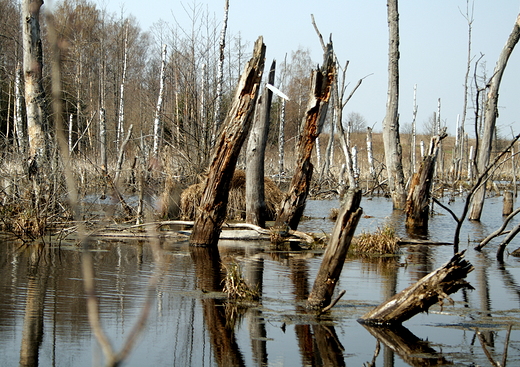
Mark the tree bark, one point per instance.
(157, 127)
(433, 288)
(34, 92)
(336, 252)
(490, 117)
(211, 215)
(255, 156)
(417, 203)
(292, 207)
(21, 136)
(391, 139)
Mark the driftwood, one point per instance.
(212, 213)
(434, 287)
(293, 206)
(336, 252)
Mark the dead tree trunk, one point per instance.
(434, 287)
(255, 194)
(157, 126)
(391, 139)
(417, 203)
(34, 92)
(292, 207)
(212, 212)
(336, 252)
(490, 117)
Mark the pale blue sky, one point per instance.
(433, 46)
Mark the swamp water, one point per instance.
(43, 318)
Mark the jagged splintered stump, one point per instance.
(213, 205)
(336, 252)
(434, 287)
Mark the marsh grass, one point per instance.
(383, 241)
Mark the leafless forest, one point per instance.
(139, 112)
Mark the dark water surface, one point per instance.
(43, 318)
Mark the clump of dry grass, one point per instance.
(190, 198)
(382, 242)
(235, 285)
(334, 212)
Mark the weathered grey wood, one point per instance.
(490, 117)
(434, 287)
(208, 222)
(508, 203)
(33, 77)
(391, 138)
(336, 252)
(255, 156)
(293, 206)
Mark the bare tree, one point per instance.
(157, 127)
(34, 92)
(491, 113)
(391, 139)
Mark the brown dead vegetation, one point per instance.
(190, 198)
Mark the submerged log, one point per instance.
(293, 206)
(336, 252)
(434, 287)
(212, 213)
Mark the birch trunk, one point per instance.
(281, 142)
(34, 92)
(391, 139)
(21, 137)
(157, 126)
(121, 116)
(103, 140)
(490, 117)
(414, 133)
(213, 205)
(255, 157)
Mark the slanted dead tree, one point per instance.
(212, 210)
(293, 206)
(334, 258)
(418, 201)
(490, 117)
(420, 296)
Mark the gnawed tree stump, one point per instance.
(293, 206)
(212, 213)
(336, 252)
(434, 287)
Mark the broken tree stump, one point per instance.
(291, 209)
(418, 200)
(336, 252)
(434, 287)
(213, 205)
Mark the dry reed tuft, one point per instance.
(190, 198)
(382, 242)
(235, 285)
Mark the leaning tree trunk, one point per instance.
(490, 117)
(213, 205)
(292, 207)
(255, 156)
(336, 252)
(34, 92)
(391, 139)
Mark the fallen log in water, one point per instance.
(434, 287)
